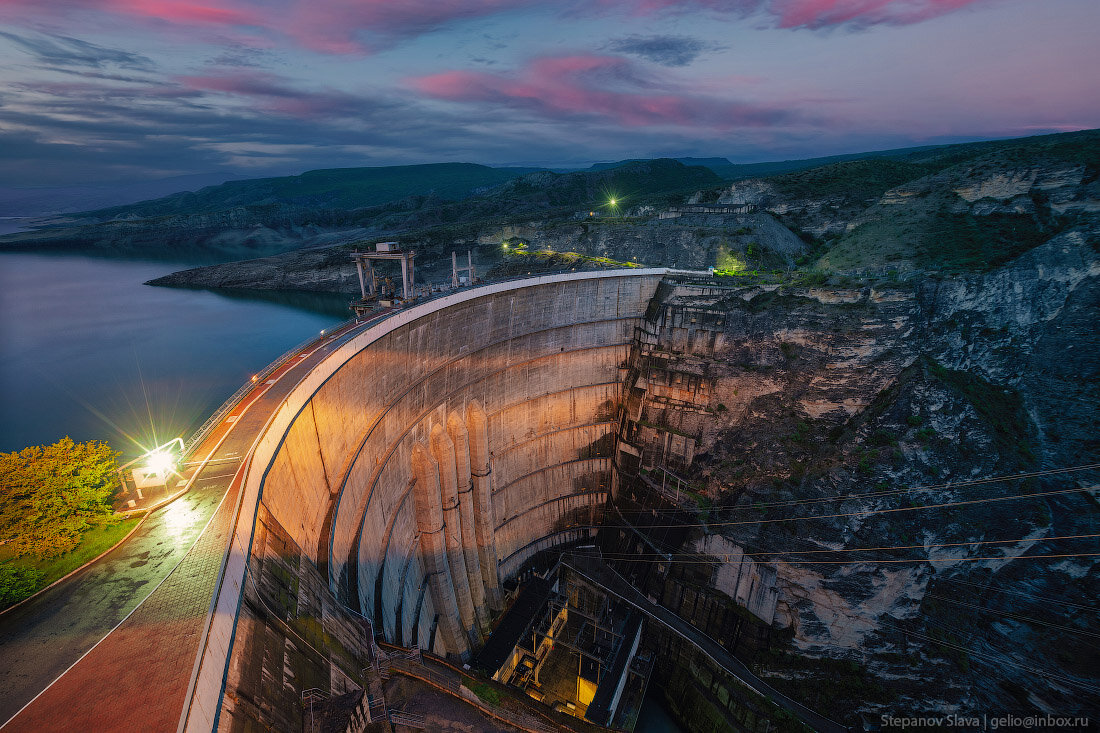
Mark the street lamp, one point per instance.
(613, 205)
(157, 464)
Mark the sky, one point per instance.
(101, 91)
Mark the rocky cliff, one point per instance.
(854, 441)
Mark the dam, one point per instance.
(423, 462)
(403, 478)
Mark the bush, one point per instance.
(50, 495)
(16, 583)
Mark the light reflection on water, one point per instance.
(87, 350)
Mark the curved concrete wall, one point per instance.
(542, 356)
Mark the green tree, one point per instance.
(49, 495)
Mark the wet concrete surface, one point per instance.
(45, 636)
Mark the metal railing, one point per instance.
(412, 720)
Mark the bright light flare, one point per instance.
(160, 462)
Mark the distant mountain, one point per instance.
(333, 188)
(255, 218)
(739, 171)
(53, 200)
(628, 181)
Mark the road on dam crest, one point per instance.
(62, 640)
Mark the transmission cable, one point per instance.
(1012, 615)
(998, 660)
(1001, 589)
(873, 511)
(872, 549)
(896, 492)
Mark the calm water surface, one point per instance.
(655, 718)
(87, 350)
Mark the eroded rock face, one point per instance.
(825, 420)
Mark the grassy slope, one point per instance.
(95, 541)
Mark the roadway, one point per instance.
(77, 655)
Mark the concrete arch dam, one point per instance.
(426, 459)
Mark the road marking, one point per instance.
(220, 475)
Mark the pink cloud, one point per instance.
(184, 12)
(860, 13)
(360, 26)
(171, 11)
(606, 87)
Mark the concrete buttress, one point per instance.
(430, 527)
(484, 520)
(444, 451)
(460, 436)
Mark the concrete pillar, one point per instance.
(433, 550)
(484, 520)
(444, 451)
(362, 283)
(460, 436)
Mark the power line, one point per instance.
(926, 487)
(998, 659)
(999, 589)
(884, 547)
(1016, 616)
(634, 558)
(874, 511)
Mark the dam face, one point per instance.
(425, 461)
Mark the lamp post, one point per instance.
(159, 462)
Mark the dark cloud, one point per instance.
(65, 51)
(664, 50)
(242, 56)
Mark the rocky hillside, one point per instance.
(956, 208)
(951, 209)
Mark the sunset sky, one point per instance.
(111, 90)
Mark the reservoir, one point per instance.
(87, 350)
